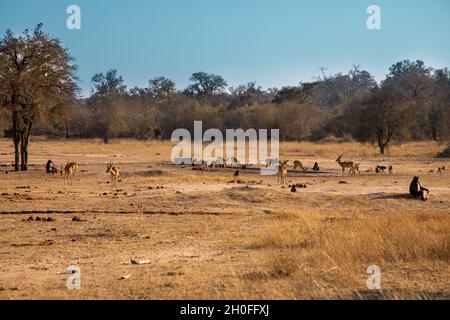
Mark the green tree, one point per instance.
(36, 76)
(161, 88)
(108, 89)
(383, 117)
(204, 85)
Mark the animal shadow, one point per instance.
(386, 196)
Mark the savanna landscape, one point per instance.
(97, 98)
(211, 235)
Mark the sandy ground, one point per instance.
(198, 229)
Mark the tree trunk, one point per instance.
(67, 130)
(25, 139)
(23, 157)
(382, 148)
(16, 139)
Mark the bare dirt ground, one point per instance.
(209, 235)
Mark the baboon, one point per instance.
(293, 188)
(236, 174)
(316, 167)
(345, 164)
(233, 161)
(298, 164)
(391, 169)
(442, 170)
(282, 172)
(114, 171)
(380, 169)
(271, 162)
(200, 165)
(416, 190)
(50, 167)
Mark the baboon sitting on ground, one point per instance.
(416, 190)
(442, 170)
(50, 167)
(316, 167)
(380, 169)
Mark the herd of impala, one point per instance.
(71, 168)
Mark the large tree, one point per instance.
(37, 75)
(205, 84)
(382, 118)
(161, 88)
(107, 90)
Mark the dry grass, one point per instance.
(210, 235)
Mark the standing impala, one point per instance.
(68, 172)
(114, 171)
(282, 172)
(345, 164)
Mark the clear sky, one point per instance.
(272, 42)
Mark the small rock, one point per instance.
(76, 219)
(135, 261)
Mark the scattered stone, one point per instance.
(135, 261)
(343, 182)
(76, 219)
(47, 242)
(124, 277)
(178, 192)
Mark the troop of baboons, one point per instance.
(416, 189)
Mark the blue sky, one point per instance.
(272, 42)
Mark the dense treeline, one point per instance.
(38, 95)
(412, 103)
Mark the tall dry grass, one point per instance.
(331, 253)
